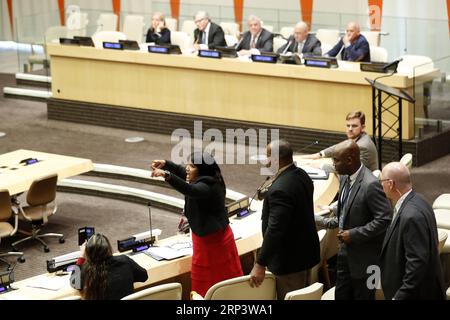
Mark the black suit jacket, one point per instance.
(312, 46)
(357, 51)
(367, 216)
(216, 36)
(204, 202)
(264, 43)
(410, 264)
(290, 241)
(158, 38)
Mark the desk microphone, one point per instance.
(257, 191)
(152, 238)
(287, 47)
(308, 146)
(393, 63)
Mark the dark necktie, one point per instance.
(345, 193)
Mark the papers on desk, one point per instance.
(176, 250)
(315, 173)
(50, 283)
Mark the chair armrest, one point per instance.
(196, 296)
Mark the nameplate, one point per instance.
(113, 45)
(70, 42)
(210, 54)
(159, 49)
(321, 62)
(85, 41)
(265, 58)
(129, 44)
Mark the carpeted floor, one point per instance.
(26, 126)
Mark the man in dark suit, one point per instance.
(363, 215)
(255, 38)
(290, 243)
(354, 46)
(207, 33)
(302, 42)
(410, 264)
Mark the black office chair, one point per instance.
(6, 229)
(41, 205)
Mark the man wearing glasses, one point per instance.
(208, 34)
(410, 264)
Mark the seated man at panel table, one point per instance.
(353, 46)
(356, 123)
(208, 34)
(302, 42)
(255, 38)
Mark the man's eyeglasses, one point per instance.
(383, 180)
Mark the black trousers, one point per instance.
(348, 288)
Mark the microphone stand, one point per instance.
(253, 197)
(152, 238)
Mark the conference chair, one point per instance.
(312, 292)
(181, 39)
(188, 27)
(407, 160)
(372, 37)
(133, 27)
(41, 205)
(378, 54)
(107, 36)
(315, 270)
(376, 173)
(230, 40)
(171, 24)
(329, 294)
(52, 34)
(230, 28)
(442, 202)
(443, 236)
(107, 22)
(77, 24)
(442, 218)
(278, 42)
(327, 47)
(328, 36)
(6, 229)
(168, 291)
(268, 27)
(287, 31)
(413, 65)
(239, 289)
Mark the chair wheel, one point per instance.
(46, 249)
(62, 240)
(21, 259)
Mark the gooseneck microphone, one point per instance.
(308, 146)
(152, 238)
(393, 63)
(257, 191)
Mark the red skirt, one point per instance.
(215, 258)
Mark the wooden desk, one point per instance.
(17, 177)
(285, 95)
(247, 229)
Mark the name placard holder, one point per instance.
(113, 45)
(265, 58)
(210, 54)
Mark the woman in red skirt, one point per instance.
(215, 257)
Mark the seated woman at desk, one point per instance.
(215, 257)
(158, 32)
(103, 276)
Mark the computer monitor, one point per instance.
(227, 52)
(85, 41)
(130, 45)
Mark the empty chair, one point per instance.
(239, 289)
(312, 292)
(378, 54)
(6, 229)
(52, 34)
(181, 39)
(230, 28)
(171, 24)
(188, 27)
(327, 47)
(329, 36)
(168, 291)
(133, 27)
(407, 160)
(41, 205)
(107, 22)
(287, 32)
(107, 36)
(372, 37)
(78, 26)
(278, 42)
(442, 218)
(442, 202)
(230, 40)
